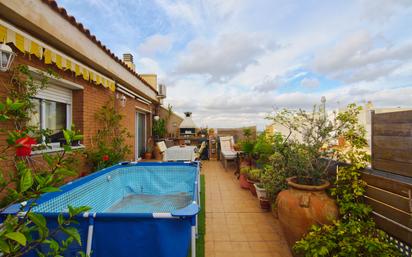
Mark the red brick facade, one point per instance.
(85, 103)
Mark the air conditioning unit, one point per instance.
(162, 91)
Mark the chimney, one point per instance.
(128, 59)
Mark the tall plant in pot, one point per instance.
(355, 233)
(308, 159)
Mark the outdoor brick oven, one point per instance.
(187, 127)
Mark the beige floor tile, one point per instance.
(235, 224)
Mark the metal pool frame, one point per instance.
(189, 212)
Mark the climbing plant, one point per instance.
(22, 180)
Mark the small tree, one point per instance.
(315, 150)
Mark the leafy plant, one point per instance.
(264, 147)
(245, 170)
(149, 145)
(311, 139)
(159, 128)
(279, 165)
(355, 233)
(26, 231)
(254, 174)
(109, 144)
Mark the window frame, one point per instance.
(59, 83)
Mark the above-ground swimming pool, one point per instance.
(138, 209)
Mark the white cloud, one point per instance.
(310, 82)
(230, 62)
(362, 57)
(223, 58)
(155, 44)
(383, 10)
(269, 84)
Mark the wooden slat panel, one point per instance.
(394, 230)
(390, 185)
(393, 129)
(397, 167)
(393, 117)
(395, 200)
(393, 155)
(394, 214)
(392, 143)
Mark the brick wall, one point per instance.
(172, 131)
(86, 103)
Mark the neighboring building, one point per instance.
(44, 36)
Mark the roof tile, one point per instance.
(63, 12)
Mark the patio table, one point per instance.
(178, 153)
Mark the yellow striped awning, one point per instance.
(29, 45)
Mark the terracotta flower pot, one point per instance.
(302, 206)
(252, 187)
(264, 204)
(243, 181)
(148, 156)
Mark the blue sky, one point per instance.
(232, 62)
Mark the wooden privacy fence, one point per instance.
(392, 142)
(389, 181)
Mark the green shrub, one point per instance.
(244, 170)
(254, 174)
(247, 146)
(108, 145)
(264, 147)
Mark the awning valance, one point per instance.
(27, 44)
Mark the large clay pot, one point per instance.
(302, 206)
(148, 155)
(243, 181)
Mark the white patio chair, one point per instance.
(227, 153)
(162, 147)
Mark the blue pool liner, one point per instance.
(145, 234)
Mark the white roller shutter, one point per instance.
(56, 93)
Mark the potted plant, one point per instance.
(306, 162)
(253, 176)
(264, 147)
(243, 177)
(149, 149)
(260, 190)
(355, 233)
(159, 129)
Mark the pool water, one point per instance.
(130, 189)
(143, 203)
